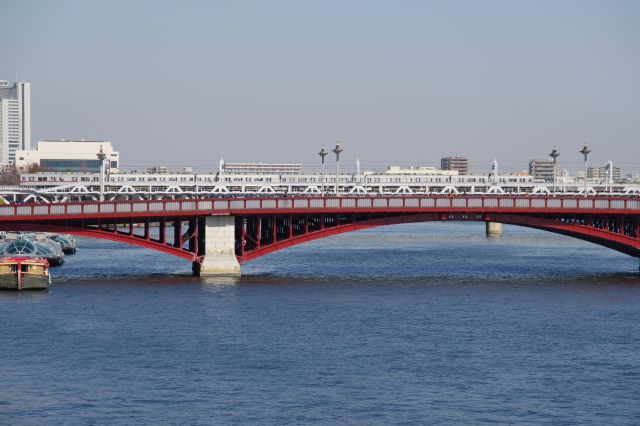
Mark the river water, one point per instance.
(413, 324)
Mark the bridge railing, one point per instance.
(320, 204)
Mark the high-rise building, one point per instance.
(15, 119)
(542, 169)
(461, 164)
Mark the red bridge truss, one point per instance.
(266, 225)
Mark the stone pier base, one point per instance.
(493, 229)
(220, 254)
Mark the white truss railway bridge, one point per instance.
(54, 192)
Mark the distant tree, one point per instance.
(10, 177)
(35, 168)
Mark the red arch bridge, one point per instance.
(218, 234)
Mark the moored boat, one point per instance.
(66, 241)
(24, 273)
(24, 247)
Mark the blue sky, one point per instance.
(182, 83)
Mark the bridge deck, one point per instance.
(186, 207)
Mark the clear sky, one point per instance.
(402, 82)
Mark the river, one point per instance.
(412, 324)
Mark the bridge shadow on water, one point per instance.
(157, 281)
(624, 279)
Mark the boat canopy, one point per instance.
(22, 247)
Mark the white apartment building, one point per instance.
(68, 156)
(261, 168)
(15, 119)
(420, 171)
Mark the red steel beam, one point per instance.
(327, 232)
(106, 235)
(493, 208)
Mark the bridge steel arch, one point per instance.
(265, 225)
(251, 241)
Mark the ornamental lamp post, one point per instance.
(337, 150)
(101, 157)
(555, 154)
(323, 153)
(585, 151)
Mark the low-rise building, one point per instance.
(419, 171)
(601, 174)
(67, 156)
(262, 168)
(160, 170)
(542, 169)
(632, 179)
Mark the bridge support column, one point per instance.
(220, 251)
(493, 229)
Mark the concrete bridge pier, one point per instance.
(220, 253)
(493, 229)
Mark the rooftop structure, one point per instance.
(461, 164)
(160, 170)
(15, 119)
(68, 156)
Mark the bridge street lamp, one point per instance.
(323, 153)
(554, 154)
(585, 151)
(337, 150)
(101, 157)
